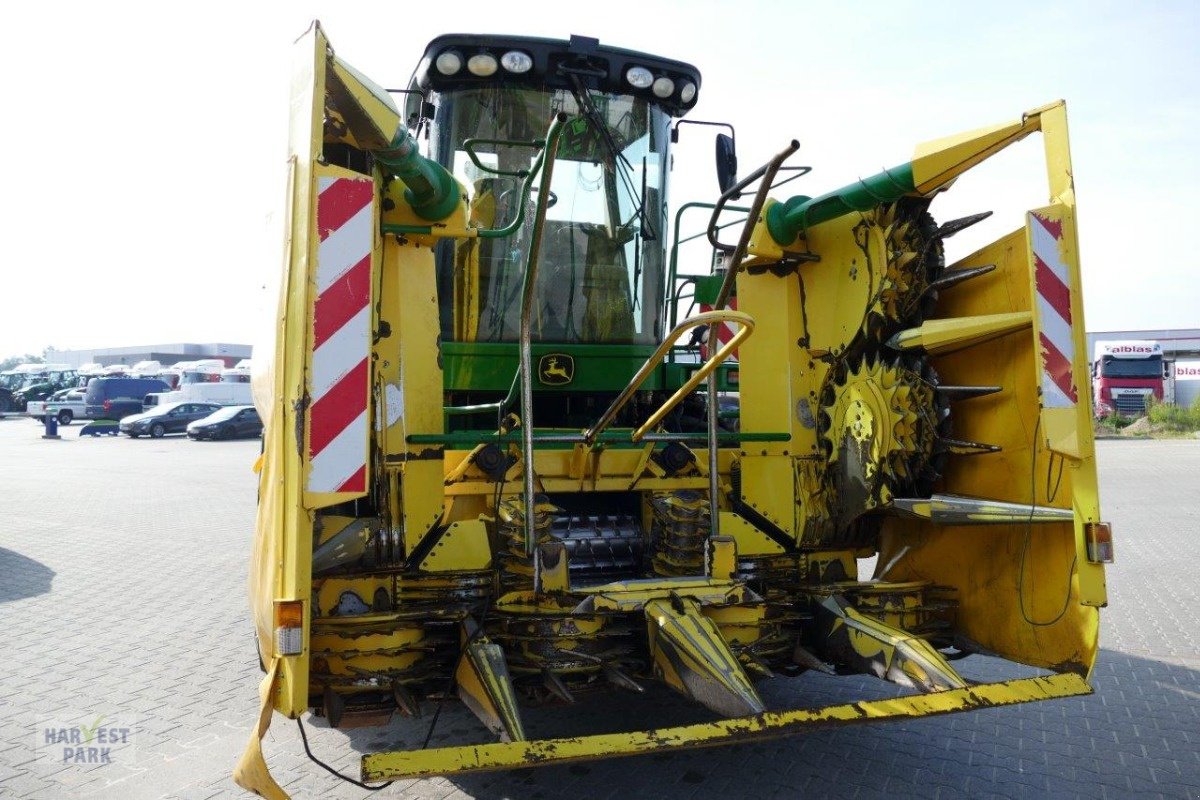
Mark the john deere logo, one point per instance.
(556, 369)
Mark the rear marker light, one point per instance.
(289, 627)
(1098, 536)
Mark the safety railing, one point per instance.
(525, 370)
(707, 371)
(767, 174)
(746, 324)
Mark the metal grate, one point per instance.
(1130, 404)
(601, 547)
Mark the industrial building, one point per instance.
(165, 354)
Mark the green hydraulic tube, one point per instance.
(789, 219)
(432, 191)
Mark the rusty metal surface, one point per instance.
(381, 766)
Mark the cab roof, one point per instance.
(555, 61)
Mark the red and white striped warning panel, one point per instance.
(725, 331)
(341, 337)
(1052, 276)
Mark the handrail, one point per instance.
(612, 435)
(526, 354)
(673, 268)
(469, 146)
(707, 318)
(767, 173)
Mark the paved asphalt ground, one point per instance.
(123, 605)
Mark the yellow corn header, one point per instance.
(476, 475)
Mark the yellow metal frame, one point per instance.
(771, 724)
(780, 385)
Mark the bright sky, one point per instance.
(144, 148)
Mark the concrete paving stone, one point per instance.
(1178, 790)
(185, 666)
(1164, 768)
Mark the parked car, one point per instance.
(161, 420)
(36, 409)
(117, 398)
(229, 422)
(70, 407)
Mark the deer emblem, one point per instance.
(556, 369)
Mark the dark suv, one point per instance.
(170, 418)
(229, 422)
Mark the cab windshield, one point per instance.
(600, 272)
(1133, 367)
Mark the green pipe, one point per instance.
(431, 208)
(432, 191)
(787, 220)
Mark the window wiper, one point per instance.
(584, 101)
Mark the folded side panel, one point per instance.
(1066, 419)
(281, 566)
(1018, 585)
(312, 385)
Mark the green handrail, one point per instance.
(610, 436)
(673, 267)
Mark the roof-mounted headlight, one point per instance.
(516, 61)
(448, 63)
(688, 92)
(639, 77)
(663, 87)
(482, 65)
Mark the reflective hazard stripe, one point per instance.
(1052, 276)
(341, 336)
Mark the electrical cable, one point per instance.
(1029, 535)
(331, 770)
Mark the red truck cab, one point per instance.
(1125, 375)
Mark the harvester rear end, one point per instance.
(491, 466)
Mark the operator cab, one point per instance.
(486, 101)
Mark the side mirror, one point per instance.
(726, 162)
